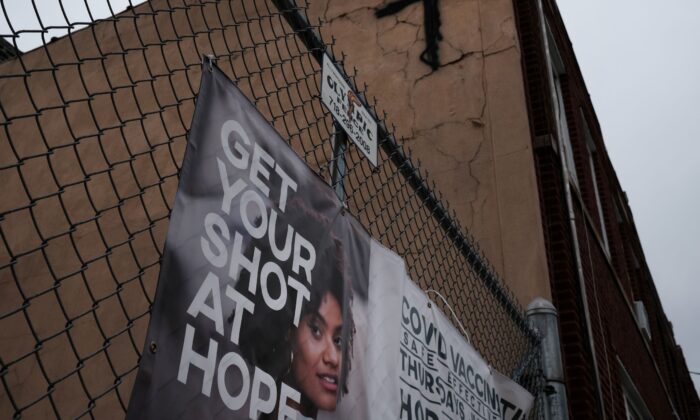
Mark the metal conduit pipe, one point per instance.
(570, 209)
(544, 316)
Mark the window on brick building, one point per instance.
(635, 408)
(558, 73)
(640, 312)
(620, 212)
(631, 411)
(592, 161)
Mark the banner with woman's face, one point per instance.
(265, 292)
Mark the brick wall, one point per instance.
(614, 280)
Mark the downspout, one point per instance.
(570, 208)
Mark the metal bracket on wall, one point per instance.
(431, 23)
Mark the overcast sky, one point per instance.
(641, 63)
(58, 13)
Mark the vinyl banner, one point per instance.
(251, 315)
(412, 363)
(273, 302)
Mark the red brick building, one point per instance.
(615, 335)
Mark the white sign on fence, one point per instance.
(348, 110)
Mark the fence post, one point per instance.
(543, 316)
(340, 141)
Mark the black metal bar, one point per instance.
(340, 145)
(301, 27)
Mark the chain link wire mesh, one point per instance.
(94, 126)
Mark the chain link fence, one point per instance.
(94, 125)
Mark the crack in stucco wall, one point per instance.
(400, 46)
(464, 122)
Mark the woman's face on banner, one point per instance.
(318, 353)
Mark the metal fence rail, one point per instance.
(94, 127)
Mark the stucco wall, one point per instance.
(466, 122)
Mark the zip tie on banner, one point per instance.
(210, 58)
(454, 315)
